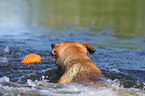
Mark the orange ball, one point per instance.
(31, 58)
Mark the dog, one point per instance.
(71, 57)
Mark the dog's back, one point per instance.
(83, 70)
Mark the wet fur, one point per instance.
(77, 67)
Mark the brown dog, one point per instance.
(77, 66)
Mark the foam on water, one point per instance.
(4, 79)
(44, 88)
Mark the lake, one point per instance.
(115, 28)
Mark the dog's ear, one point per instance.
(53, 45)
(53, 52)
(89, 47)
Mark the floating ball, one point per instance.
(31, 58)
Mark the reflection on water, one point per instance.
(127, 15)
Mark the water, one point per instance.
(120, 50)
(123, 67)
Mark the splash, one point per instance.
(4, 79)
(6, 50)
(44, 88)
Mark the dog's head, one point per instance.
(57, 48)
